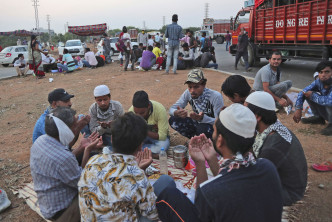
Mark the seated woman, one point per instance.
(68, 63)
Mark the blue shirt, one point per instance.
(202, 42)
(320, 95)
(55, 173)
(174, 34)
(40, 126)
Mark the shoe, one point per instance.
(4, 201)
(249, 69)
(236, 68)
(121, 65)
(327, 131)
(323, 167)
(313, 120)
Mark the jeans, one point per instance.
(87, 64)
(228, 43)
(156, 145)
(245, 58)
(63, 67)
(188, 127)
(281, 88)
(173, 51)
(322, 111)
(212, 65)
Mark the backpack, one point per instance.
(197, 61)
(100, 61)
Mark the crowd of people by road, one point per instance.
(258, 164)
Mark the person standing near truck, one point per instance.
(242, 49)
(228, 39)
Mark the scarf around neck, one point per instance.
(237, 161)
(275, 127)
(202, 101)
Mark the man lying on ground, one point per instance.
(205, 103)
(155, 115)
(278, 144)
(55, 170)
(243, 189)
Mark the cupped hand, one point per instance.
(195, 151)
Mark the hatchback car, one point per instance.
(8, 54)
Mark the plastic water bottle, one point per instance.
(163, 161)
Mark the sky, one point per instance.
(19, 14)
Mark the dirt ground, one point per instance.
(23, 100)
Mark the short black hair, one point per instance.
(141, 44)
(275, 53)
(175, 18)
(322, 65)
(234, 142)
(124, 29)
(20, 55)
(268, 116)
(65, 51)
(150, 47)
(87, 49)
(185, 45)
(158, 44)
(204, 34)
(128, 132)
(236, 84)
(141, 99)
(66, 114)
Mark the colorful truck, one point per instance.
(299, 29)
(216, 28)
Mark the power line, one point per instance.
(35, 5)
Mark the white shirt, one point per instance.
(47, 59)
(157, 38)
(20, 62)
(126, 36)
(91, 58)
(150, 42)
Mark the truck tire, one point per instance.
(220, 39)
(251, 55)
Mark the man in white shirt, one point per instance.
(48, 62)
(129, 55)
(157, 38)
(142, 38)
(21, 65)
(90, 59)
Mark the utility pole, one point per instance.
(163, 21)
(66, 27)
(144, 25)
(49, 26)
(206, 10)
(35, 5)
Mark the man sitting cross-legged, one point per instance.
(113, 186)
(55, 170)
(243, 189)
(206, 104)
(279, 145)
(155, 115)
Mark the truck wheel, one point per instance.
(251, 56)
(220, 39)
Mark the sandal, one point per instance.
(323, 167)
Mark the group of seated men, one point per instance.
(263, 166)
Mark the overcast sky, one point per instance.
(19, 14)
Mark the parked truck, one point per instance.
(299, 29)
(216, 28)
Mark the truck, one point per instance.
(216, 28)
(299, 29)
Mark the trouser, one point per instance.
(87, 64)
(188, 127)
(172, 52)
(156, 145)
(63, 67)
(244, 54)
(172, 204)
(22, 71)
(281, 88)
(131, 57)
(322, 111)
(72, 213)
(228, 43)
(152, 62)
(212, 65)
(48, 67)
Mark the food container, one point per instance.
(180, 156)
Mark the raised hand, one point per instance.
(197, 117)
(144, 158)
(207, 147)
(195, 149)
(95, 144)
(180, 112)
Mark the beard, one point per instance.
(327, 82)
(215, 146)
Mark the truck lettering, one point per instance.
(280, 23)
(320, 20)
(329, 19)
(290, 22)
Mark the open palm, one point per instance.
(195, 149)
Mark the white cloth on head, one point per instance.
(239, 120)
(66, 135)
(101, 90)
(262, 99)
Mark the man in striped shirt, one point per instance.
(174, 34)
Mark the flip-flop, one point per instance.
(323, 167)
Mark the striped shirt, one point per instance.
(174, 34)
(55, 173)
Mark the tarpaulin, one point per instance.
(20, 33)
(87, 30)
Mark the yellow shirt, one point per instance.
(157, 117)
(156, 51)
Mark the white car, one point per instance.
(75, 48)
(113, 47)
(8, 54)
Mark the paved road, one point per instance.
(299, 71)
(6, 72)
